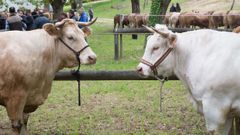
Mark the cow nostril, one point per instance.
(139, 69)
(92, 59)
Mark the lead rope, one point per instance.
(162, 81)
(76, 73)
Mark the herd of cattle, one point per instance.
(133, 20)
(208, 19)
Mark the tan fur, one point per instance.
(28, 67)
(216, 20)
(232, 19)
(237, 30)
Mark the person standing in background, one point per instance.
(173, 8)
(3, 21)
(178, 8)
(72, 15)
(61, 17)
(29, 20)
(40, 20)
(90, 12)
(14, 21)
(83, 15)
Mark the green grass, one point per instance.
(114, 107)
(110, 8)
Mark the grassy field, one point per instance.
(113, 107)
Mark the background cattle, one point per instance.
(232, 19)
(137, 20)
(216, 20)
(166, 18)
(237, 30)
(118, 21)
(174, 19)
(29, 62)
(187, 19)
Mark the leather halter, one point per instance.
(158, 62)
(77, 53)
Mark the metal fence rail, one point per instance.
(103, 75)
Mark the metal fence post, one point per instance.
(116, 48)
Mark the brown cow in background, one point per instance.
(232, 19)
(137, 20)
(237, 30)
(216, 20)
(174, 19)
(187, 19)
(117, 20)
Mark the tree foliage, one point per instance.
(155, 10)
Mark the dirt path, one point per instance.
(209, 5)
(94, 2)
(105, 20)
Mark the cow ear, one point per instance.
(87, 31)
(172, 38)
(51, 29)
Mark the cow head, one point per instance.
(157, 44)
(67, 31)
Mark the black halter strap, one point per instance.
(76, 73)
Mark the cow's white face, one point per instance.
(74, 37)
(157, 45)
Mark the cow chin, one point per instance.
(88, 61)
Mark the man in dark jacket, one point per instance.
(14, 21)
(29, 20)
(173, 8)
(178, 8)
(40, 21)
(3, 22)
(72, 15)
(90, 12)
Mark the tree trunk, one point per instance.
(57, 8)
(164, 6)
(135, 9)
(135, 6)
(159, 7)
(74, 4)
(79, 3)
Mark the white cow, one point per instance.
(208, 63)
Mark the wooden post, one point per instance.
(116, 48)
(121, 26)
(121, 46)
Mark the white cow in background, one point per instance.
(208, 63)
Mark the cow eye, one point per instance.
(70, 38)
(155, 48)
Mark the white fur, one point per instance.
(207, 62)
